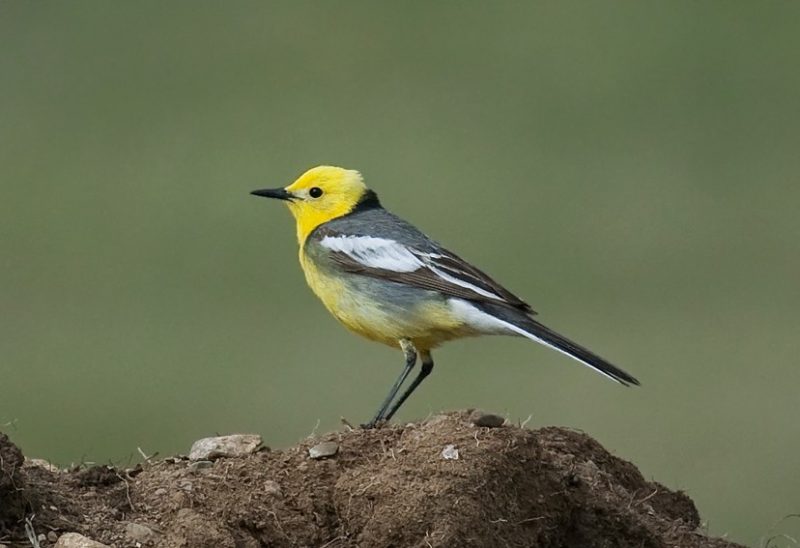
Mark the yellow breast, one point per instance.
(426, 322)
(351, 309)
(326, 287)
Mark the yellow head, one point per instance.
(320, 194)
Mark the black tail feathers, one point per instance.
(528, 327)
(544, 334)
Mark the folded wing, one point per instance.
(435, 268)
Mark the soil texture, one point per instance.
(442, 482)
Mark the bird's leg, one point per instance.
(411, 358)
(425, 370)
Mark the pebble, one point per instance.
(41, 463)
(52, 536)
(272, 487)
(323, 450)
(450, 452)
(138, 532)
(74, 540)
(235, 445)
(488, 420)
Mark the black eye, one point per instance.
(315, 192)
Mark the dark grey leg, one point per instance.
(425, 370)
(411, 359)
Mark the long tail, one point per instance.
(530, 328)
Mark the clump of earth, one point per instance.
(443, 482)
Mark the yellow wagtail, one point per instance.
(384, 279)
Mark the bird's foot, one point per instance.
(374, 424)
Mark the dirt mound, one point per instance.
(12, 503)
(442, 482)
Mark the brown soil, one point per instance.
(509, 486)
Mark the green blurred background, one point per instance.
(631, 169)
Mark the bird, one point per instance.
(386, 280)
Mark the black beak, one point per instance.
(279, 193)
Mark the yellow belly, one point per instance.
(427, 323)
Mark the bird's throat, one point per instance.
(308, 218)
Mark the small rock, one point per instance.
(235, 445)
(52, 536)
(488, 420)
(41, 463)
(42, 537)
(133, 472)
(323, 450)
(450, 452)
(272, 487)
(138, 532)
(74, 540)
(160, 492)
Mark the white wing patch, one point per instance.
(390, 255)
(375, 252)
(462, 283)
